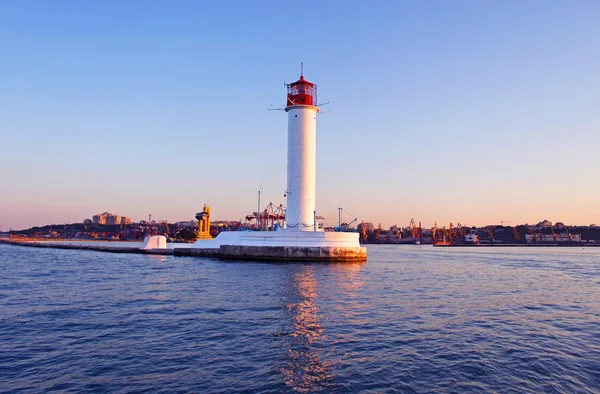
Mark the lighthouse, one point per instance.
(302, 111)
(301, 240)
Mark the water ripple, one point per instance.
(411, 320)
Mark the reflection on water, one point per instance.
(348, 276)
(303, 369)
(155, 258)
(158, 289)
(309, 359)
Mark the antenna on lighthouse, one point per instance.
(301, 69)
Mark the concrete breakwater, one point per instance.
(279, 253)
(235, 252)
(111, 247)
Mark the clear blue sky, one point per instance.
(462, 111)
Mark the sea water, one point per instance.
(413, 319)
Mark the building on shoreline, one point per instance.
(110, 219)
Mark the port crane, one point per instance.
(412, 230)
(342, 225)
(270, 216)
(415, 229)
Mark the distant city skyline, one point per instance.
(329, 221)
(443, 112)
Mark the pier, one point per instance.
(228, 252)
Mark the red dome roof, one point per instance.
(301, 81)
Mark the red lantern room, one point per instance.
(302, 92)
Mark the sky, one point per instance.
(443, 111)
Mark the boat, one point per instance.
(471, 239)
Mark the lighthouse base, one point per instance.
(280, 246)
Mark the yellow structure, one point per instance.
(204, 223)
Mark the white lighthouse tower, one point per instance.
(301, 155)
